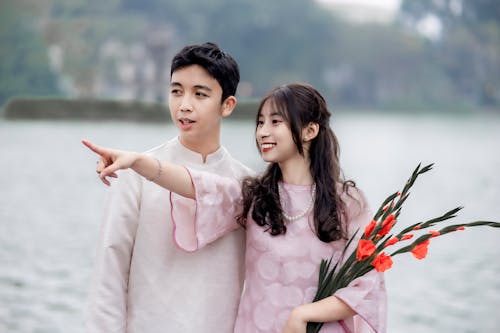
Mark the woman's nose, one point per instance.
(263, 131)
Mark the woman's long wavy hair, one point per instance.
(300, 104)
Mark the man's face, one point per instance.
(195, 105)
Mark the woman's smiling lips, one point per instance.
(265, 147)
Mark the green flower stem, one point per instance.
(341, 275)
(385, 203)
(429, 223)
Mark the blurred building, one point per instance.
(363, 11)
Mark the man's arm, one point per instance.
(107, 309)
(172, 177)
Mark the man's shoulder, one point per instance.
(242, 168)
(239, 169)
(162, 151)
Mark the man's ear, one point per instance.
(310, 132)
(228, 106)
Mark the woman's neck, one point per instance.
(296, 171)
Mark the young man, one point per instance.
(144, 283)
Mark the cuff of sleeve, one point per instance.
(183, 216)
(367, 297)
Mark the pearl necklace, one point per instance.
(302, 213)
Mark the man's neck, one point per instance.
(203, 148)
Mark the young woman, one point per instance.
(298, 212)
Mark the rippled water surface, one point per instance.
(51, 204)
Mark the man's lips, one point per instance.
(186, 121)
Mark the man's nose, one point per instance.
(186, 105)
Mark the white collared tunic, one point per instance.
(142, 282)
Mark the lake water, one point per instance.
(51, 205)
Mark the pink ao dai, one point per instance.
(281, 271)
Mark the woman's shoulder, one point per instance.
(353, 199)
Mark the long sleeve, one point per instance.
(218, 201)
(107, 310)
(367, 294)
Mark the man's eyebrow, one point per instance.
(201, 86)
(197, 86)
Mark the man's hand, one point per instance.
(111, 160)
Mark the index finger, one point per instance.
(95, 148)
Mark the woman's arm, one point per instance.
(325, 310)
(173, 177)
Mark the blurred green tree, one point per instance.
(24, 62)
(356, 65)
(291, 39)
(468, 48)
(453, 13)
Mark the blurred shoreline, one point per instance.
(55, 108)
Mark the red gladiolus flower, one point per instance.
(420, 251)
(407, 236)
(434, 233)
(382, 262)
(391, 241)
(369, 228)
(365, 249)
(460, 228)
(385, 230)
(416, 227)
(387, 225)
(389, 219)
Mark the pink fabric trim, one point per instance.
(357, 314)
(344, 326)
(175, 225)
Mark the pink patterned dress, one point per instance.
(281, 271)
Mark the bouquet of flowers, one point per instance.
(375, 242)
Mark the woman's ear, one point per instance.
(228, 106)
(310, 132)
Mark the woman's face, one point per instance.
(273, 135)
